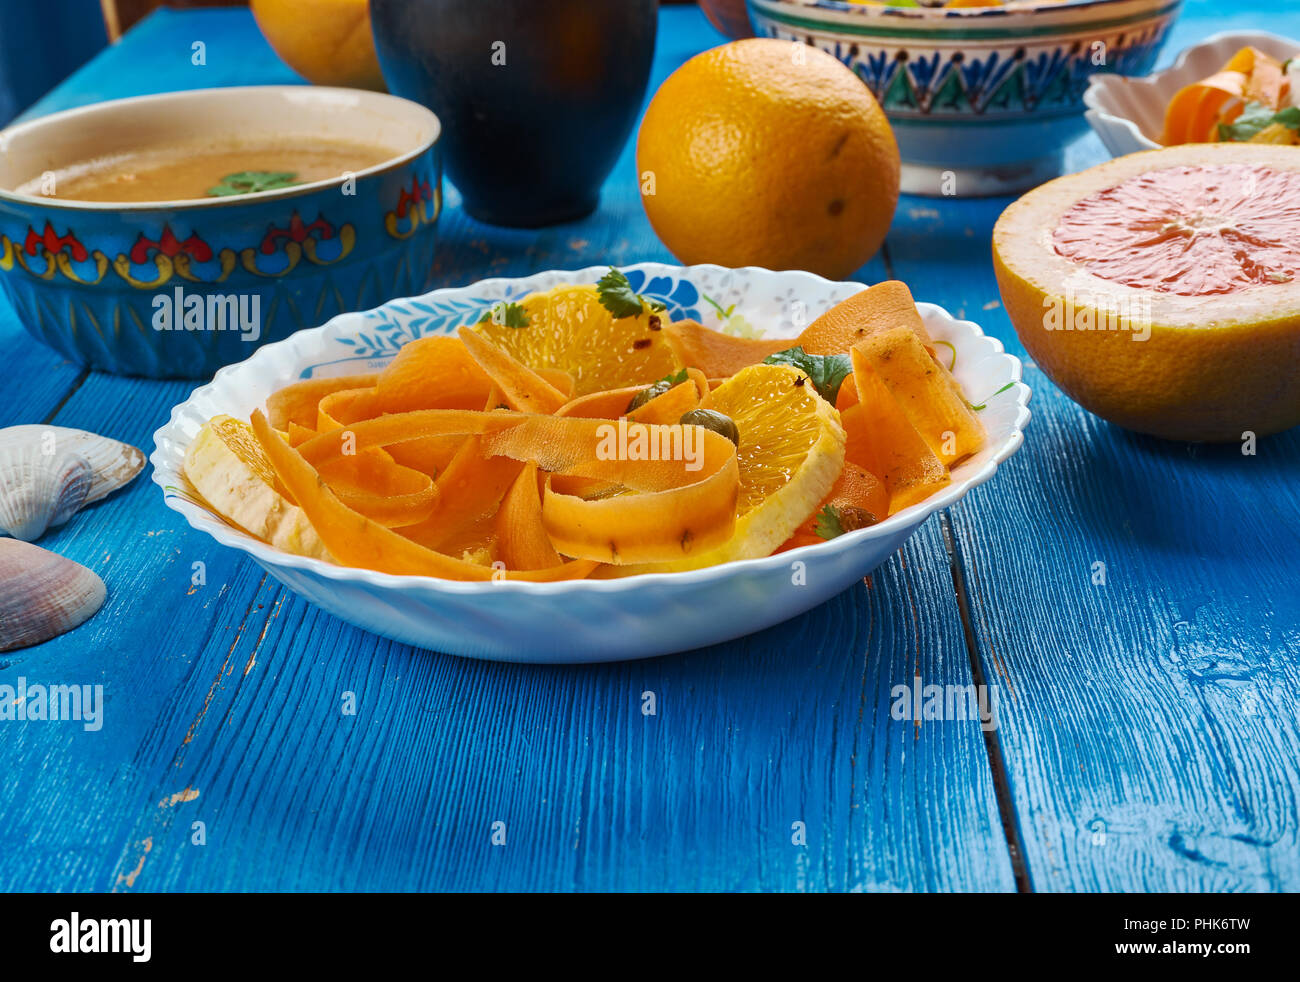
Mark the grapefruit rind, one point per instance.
(1183, 367)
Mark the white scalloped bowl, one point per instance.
(1129, 113)
(586, 620)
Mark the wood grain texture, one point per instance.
(789, 725)
(1151, 726)
(225, 700)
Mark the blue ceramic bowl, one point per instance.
(178, 289)
(983, 100)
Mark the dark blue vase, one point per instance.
(537, 97)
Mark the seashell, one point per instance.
(114, 463)
(47, 473)
(39, 491)
(42, 594)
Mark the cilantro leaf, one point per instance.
(1254, 118)
(618, 297)
(675, 378)
(826, 371)
(506, 314)
(828, 524)
(252, 181)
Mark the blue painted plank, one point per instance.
(42, 379)
(1153, 732)
(159, 55)
(224, 700)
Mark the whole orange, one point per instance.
(768, 153)
(328, 42)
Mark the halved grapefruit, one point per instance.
(1161, 290)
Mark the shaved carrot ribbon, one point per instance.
(354, 540)
(1195, 112)
(682, 480)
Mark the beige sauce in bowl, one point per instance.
(186, 173)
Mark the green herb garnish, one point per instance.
(951, 347)
(827, 372)
(828, 524)
(985, 403)
(1256, 117)
(722, 314)
(506, 315)
(833, 522)
(252, 181)
(618, 297)
(656, 389)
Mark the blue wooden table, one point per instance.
(1149, 735)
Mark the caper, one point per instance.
(853, 518)
(712, 420)
(648, 393)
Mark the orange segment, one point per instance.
(226, 465)
(569, 329)
(791, 452)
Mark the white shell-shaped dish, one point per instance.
(586, 620)
(1129, 113)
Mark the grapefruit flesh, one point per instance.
(1188, 230)
(1161, 290)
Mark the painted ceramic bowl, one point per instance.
(1129, 113)
(983, 100)
(586, 620)
(91, 279)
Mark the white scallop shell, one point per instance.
(114, 463)
(42, 594)
(39, 491)
(47, 473)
